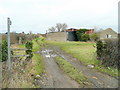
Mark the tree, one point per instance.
(94, 37)
(61, 27)
(80, 33)
(85, 37)
(58, 26)
(64, 26)
(52, 29)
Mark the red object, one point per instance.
(90, 31)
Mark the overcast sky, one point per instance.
(38, 15)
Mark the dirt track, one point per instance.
(56, 78)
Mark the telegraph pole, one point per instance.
(9, 51)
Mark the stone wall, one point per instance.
(57, 36)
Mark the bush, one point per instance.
(107, 52)
(94, 37)
(85, 37)
(29, 46)
(3, 50)
(100, 48)
(79, 33)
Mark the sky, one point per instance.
(39, 15)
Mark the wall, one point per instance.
(57, 36)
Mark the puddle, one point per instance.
(47, 56)
(53, 55)
(46, 51)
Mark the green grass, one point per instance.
(22, 46)
(37, 64)
(37, 59)
(71, 71)
(37, 45)
(85, 53)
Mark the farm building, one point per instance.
(72, 36)
(108, 33)
(68, 35)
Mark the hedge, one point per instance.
(3, 50)
(107, 52)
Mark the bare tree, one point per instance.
(58, 26)
(61, 27)
(52, 29)
(64, 26)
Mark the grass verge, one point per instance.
(37, 65)
(71, 71)
(32, 69)
(37, 45)
(85, 52)
(22, 46)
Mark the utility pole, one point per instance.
(9, 51)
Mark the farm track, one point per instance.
(58, 79)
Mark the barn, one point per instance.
(68, 35)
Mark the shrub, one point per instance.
(94, 37)
(85, 37)
(107, 52)
(29, 46)
(79, 33)
(3, 50)
(100, 47)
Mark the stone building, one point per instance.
(108, 33)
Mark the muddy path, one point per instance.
(58, 78)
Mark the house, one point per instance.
(107, 33)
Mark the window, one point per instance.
(108, 36)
